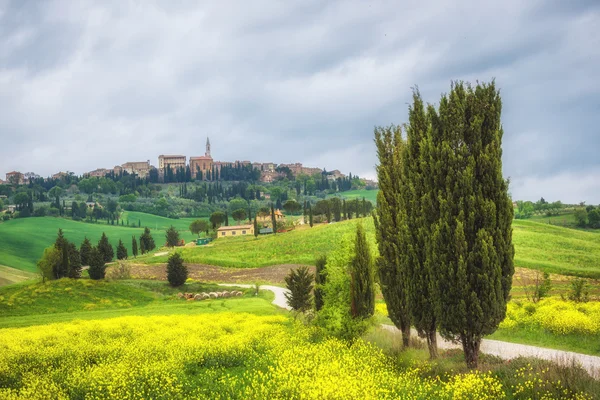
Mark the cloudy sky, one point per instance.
(94, 84)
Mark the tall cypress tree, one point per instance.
(105, 249)
(84, 251)
(121, 251)
(362, 283)
(418, 214)
(255, 227)
(388, 224)
(134, 246)
(471, 250)
(273, 219)
(320, 279)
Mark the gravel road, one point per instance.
(504, 350)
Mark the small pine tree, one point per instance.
(172, 237)
(105, 249)
(255, 227)
(134, 246)
(74, 261)
(362, 284)
(148, 241)
(97, 268)
(310, 215)
(121, 251)
(142, 246)
(64, 263)
(84, 251)
(300, 285)
(320, 279)
(177, 273)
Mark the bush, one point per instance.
(579, 290)
(121, 270)
(177, 273)
(300, 284)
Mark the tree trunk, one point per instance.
(405, 336)
(432, 344)
(471, 350)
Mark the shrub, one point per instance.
(579, 290)
(300, 285)
(172, 237)
(122, 270)
(177, 273)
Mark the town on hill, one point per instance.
(177, 168)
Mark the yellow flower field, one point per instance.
(557, 316)
(222, 356)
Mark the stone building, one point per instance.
(140, 168)
(16, 178)
(172, 161)
(202, 164)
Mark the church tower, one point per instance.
(207, 154)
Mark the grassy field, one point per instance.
(139, 341)
(370, 195)
(35, 303)
(22, 241)
(537, 246)
(9, 275)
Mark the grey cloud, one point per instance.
(87, 84)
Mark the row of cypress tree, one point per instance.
(443, 220)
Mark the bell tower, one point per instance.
(207, 154)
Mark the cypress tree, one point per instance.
(255, 227)
(177, 272)
(391, 271)
(74, 261)
(273, 219)
(121, 251)
(300, 285)
(320, 279)
(418, 214)
(97, 266)
(362, 283)
(105, 249)
(172, 236)
(134, 246)
(142, 245)
(84, 251)
(310, 215)
(471, 243)
(64, 263)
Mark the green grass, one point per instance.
(9, 275)
(300, 246)
(22, 241)
(539, 246)
(39, 303)
(370, 195)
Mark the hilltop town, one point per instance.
(201, 168)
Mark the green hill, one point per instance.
(539, 246)
(22, 241)
(370, 195)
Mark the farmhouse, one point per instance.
(239, 230)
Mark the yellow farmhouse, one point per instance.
(239, 230)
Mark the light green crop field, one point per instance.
(22, 241)
(538, 246)
(370, 195)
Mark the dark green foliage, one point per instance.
(419, 210)
(362, 284)
(273, 219)
(147, 241)
(392, 273)
(198, 226)
(320, 280)
(217, 218)
(63, 269)
(471, 243)
(121, 251)
(134, 246)
(310, 215)
(255, 227)
(581, 217)
(105, 249)
(336, 207)
(172, 236)
(74, 261)
(97, 266)
(84, 251)
(239, 215)
(177, 273)
(300, 285)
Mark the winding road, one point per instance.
(504, 350)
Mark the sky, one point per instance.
(89, 84)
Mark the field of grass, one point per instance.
(22, 241)
(545, 247)
(9, 275)
(36, 303)
(370, 195)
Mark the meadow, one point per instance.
(540, 246)
(370, 195)
(244, 356)
(23, 240)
